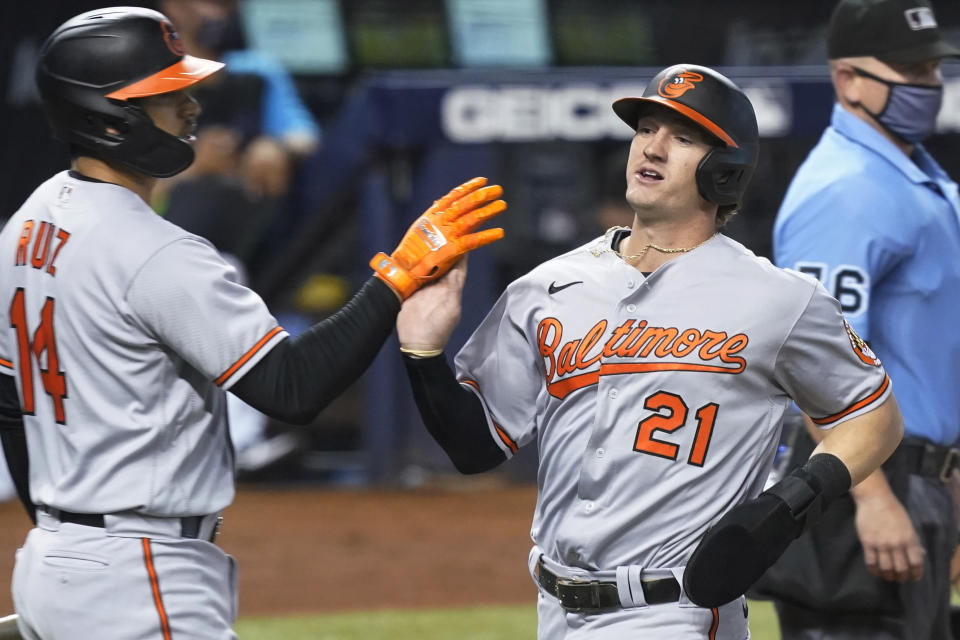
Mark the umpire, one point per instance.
(875, 218)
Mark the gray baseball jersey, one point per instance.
(123, 331)
(657, 401)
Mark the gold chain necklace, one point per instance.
(607, 248)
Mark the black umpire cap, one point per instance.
(893, 31)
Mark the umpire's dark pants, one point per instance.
(926, 603)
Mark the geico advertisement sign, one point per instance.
(516, 113)
(523, 113)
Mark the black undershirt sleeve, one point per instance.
(453, 415)
(14, 440)
(301, 375)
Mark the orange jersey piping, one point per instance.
(155, 588)
(715, 624)
(857, 405)
(6, 363)
(249, 354)
(507, 440)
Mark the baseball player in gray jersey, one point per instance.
(652, 366)
(120, 334)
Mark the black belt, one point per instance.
(593, 595)
(189, 525)
(923, 458)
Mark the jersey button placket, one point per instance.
(626, 305)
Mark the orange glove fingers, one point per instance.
(436, 240)
(436, 263)
(470, 221)
(456, 193)
(473, 200)
(480, 238)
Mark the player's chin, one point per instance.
(639, 198)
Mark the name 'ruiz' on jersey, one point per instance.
(119, 327)
(643, 392)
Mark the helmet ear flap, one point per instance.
(123, 133)
(150, 149)
(724, 172)
(76, 124)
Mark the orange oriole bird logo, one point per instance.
(860, 347)
(172, 39)
(676, 85)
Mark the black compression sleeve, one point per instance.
(300, 376)
(453, 415)
(15, 442)
(808, 490)
(828, 474)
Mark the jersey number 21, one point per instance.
(674, 417)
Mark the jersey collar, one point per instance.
(76, 175)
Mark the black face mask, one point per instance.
(910, 112)
(222, 34)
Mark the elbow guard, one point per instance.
(749, 538)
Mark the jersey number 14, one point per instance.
(43, 342)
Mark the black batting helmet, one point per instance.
(718, 106)
(95, 63)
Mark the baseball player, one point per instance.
(121, 334)
(652, 367)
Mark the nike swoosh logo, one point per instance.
(554, 288)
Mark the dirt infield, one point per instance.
(307, 551)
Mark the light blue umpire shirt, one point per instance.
(881, 231)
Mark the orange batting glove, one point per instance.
(437, 239)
